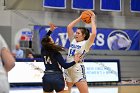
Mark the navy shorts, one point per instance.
(53, 81)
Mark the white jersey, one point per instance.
(4, 85)
(76, 72)
(77, 48)
(2, 45)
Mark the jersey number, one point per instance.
(72, 52)
(47, 60)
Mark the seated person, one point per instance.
(30, 55)
(17, 52)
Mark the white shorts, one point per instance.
(75, 73)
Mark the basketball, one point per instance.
(86, 17)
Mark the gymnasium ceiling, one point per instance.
(36, 5)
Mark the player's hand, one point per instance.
(92, 16)
(77, 58)
(52, 26)
(91, 12)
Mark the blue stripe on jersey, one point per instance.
(83, 70)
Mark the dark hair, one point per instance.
(48, 45)
(85, 32)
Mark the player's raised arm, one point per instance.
(93, 30)
(52, 26)
(70, 27)
(51, 29)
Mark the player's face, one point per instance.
(17, 46)
(79, 36)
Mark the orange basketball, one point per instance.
(86, 16)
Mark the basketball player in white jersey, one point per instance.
(80, 44)
(7, 62)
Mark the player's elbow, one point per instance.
(68, 28)
(9, 67)
(8, 59)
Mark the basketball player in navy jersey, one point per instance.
(53, 76)
(80, 43)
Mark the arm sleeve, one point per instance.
(63, 63)
(49, 33)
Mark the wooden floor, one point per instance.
(97, 89)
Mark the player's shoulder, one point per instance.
(56, 53)
(83, 42)
(73, 41)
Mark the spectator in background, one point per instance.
(7, 62)
(18, 53)
(29, 53)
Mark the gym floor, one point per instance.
(96, 89)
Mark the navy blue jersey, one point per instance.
(53, 78)
(53, 60)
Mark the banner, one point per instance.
(95, 70)
(106, 39)
(83, 4)
(102, 70)
(59, 4)
(135, 5)
(110, 5)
